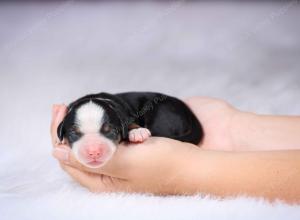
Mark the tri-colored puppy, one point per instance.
(95, 124)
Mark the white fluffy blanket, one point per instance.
(54, 52)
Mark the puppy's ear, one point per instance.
(61, 130)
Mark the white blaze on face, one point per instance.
(89, 119)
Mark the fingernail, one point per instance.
(61, 154)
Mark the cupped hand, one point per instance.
(152, 166)
(216, 117)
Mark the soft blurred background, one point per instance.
(246, 52)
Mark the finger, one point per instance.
(58, 113)
(55, 109)
(89, 180)
(97, 182)
(64, 155)
(58, 116)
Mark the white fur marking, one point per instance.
(89, 117)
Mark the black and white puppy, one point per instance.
(95, 124)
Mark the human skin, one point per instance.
(222, 166)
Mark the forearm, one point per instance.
(272, 175)
(262, 132)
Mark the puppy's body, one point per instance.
(164, 116)
(108, 119)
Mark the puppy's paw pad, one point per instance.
(139, 134)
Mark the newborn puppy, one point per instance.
(95, 124)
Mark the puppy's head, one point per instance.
(93, 128)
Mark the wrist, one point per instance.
(251, 132)
(187, 172)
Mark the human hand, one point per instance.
(166, 166)
(216, 117)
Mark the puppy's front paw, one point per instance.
(139, 135)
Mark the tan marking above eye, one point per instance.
(75, 129)
(106, 127)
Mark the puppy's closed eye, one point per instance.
(74, 134)
(75, 130)
(106, 128)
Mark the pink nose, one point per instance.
(94, 151)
